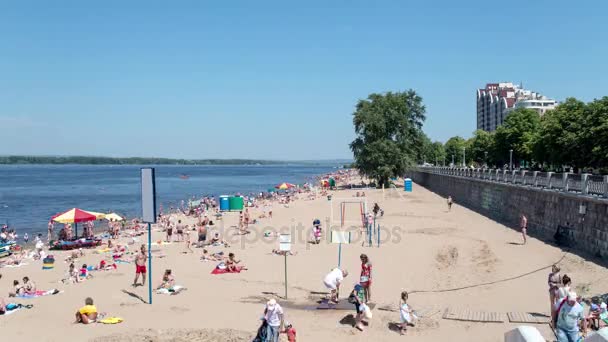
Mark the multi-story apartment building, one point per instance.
(497, 100)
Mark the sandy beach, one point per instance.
(424, 248)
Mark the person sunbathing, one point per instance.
(219, 256)
(217, 240)
(231, 264)
(278, 252)
(88, 313)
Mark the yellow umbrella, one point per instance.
(98, 216)
(113, 217)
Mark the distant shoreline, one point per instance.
(89, 160)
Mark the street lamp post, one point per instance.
(486, 159)
(452, 160)
(510, 160)
(464, 155)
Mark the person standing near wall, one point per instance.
(524, 227)
(450, 202)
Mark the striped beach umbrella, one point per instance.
(76, 215)
(285, 186)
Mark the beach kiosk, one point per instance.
(224, 203)
(236, 203)
(407, 185)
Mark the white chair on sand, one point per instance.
(524, 333)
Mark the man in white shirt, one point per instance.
(273, 314)
(332, 281)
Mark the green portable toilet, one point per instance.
(236, 203)
(332, 183)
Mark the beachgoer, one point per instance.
(167, 282)
(570, 319)
(333, 280)
(180, 230)
(169, 232)
(554, 281)
(18, 290)
(49, 236)
(246, 218)
(202, 234)
(366, 277)
(188, 240)
(29, 287)
(524, 227)
(563, 291)
(450, 202)
(231, 264)
(357, 297)
(26, 238)
(406, 313)
(84, 272)
(219, 256)
(290, 332)
(88, 313)
(140, 265)
(273, 314)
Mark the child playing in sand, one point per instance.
(406, 313)
(84, 272)
(88, 313)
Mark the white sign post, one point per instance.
(148, 210)
(340, 237)
(285, 246)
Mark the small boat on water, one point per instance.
(184, 176)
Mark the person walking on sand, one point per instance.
(202, 234)
(273, 314)
(366, 277)
(140, 266)
(450, 202)
(524, 227)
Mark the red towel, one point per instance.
(218, 271)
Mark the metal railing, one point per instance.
(585, 184)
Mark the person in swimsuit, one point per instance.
(450, 202)
(140, 266)
(524, 227)
(366, 277)
(202, 234)
(180, 230)
(169, 232)
(554, 281)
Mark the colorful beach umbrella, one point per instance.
(113, 217)
(285, 186)
(74, 215)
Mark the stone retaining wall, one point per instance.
(587, 217)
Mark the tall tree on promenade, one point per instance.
(389, 134)
(453, 150)
(481, 147)
(519, 133)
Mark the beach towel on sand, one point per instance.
(222, 271)
(39, 294)
(110, 320)
(174, 290)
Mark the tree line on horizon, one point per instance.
(390, 140)
(91, 160)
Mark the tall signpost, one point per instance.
(148, 209)
(285, 246)
(340, 237)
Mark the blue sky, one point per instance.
(272, 79)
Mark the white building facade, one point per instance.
(497, 100)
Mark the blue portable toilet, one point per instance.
(407, 184)
(224, 203)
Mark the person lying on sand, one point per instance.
(88, 313)
(278, 252)
(231, 264)
(219, 256)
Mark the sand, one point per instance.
(424, 248)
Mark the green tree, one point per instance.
(519, 132)
(597, 138)
(480, 145)
(454, 148)
(563, 135)
(389, 134)
(437, 153)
